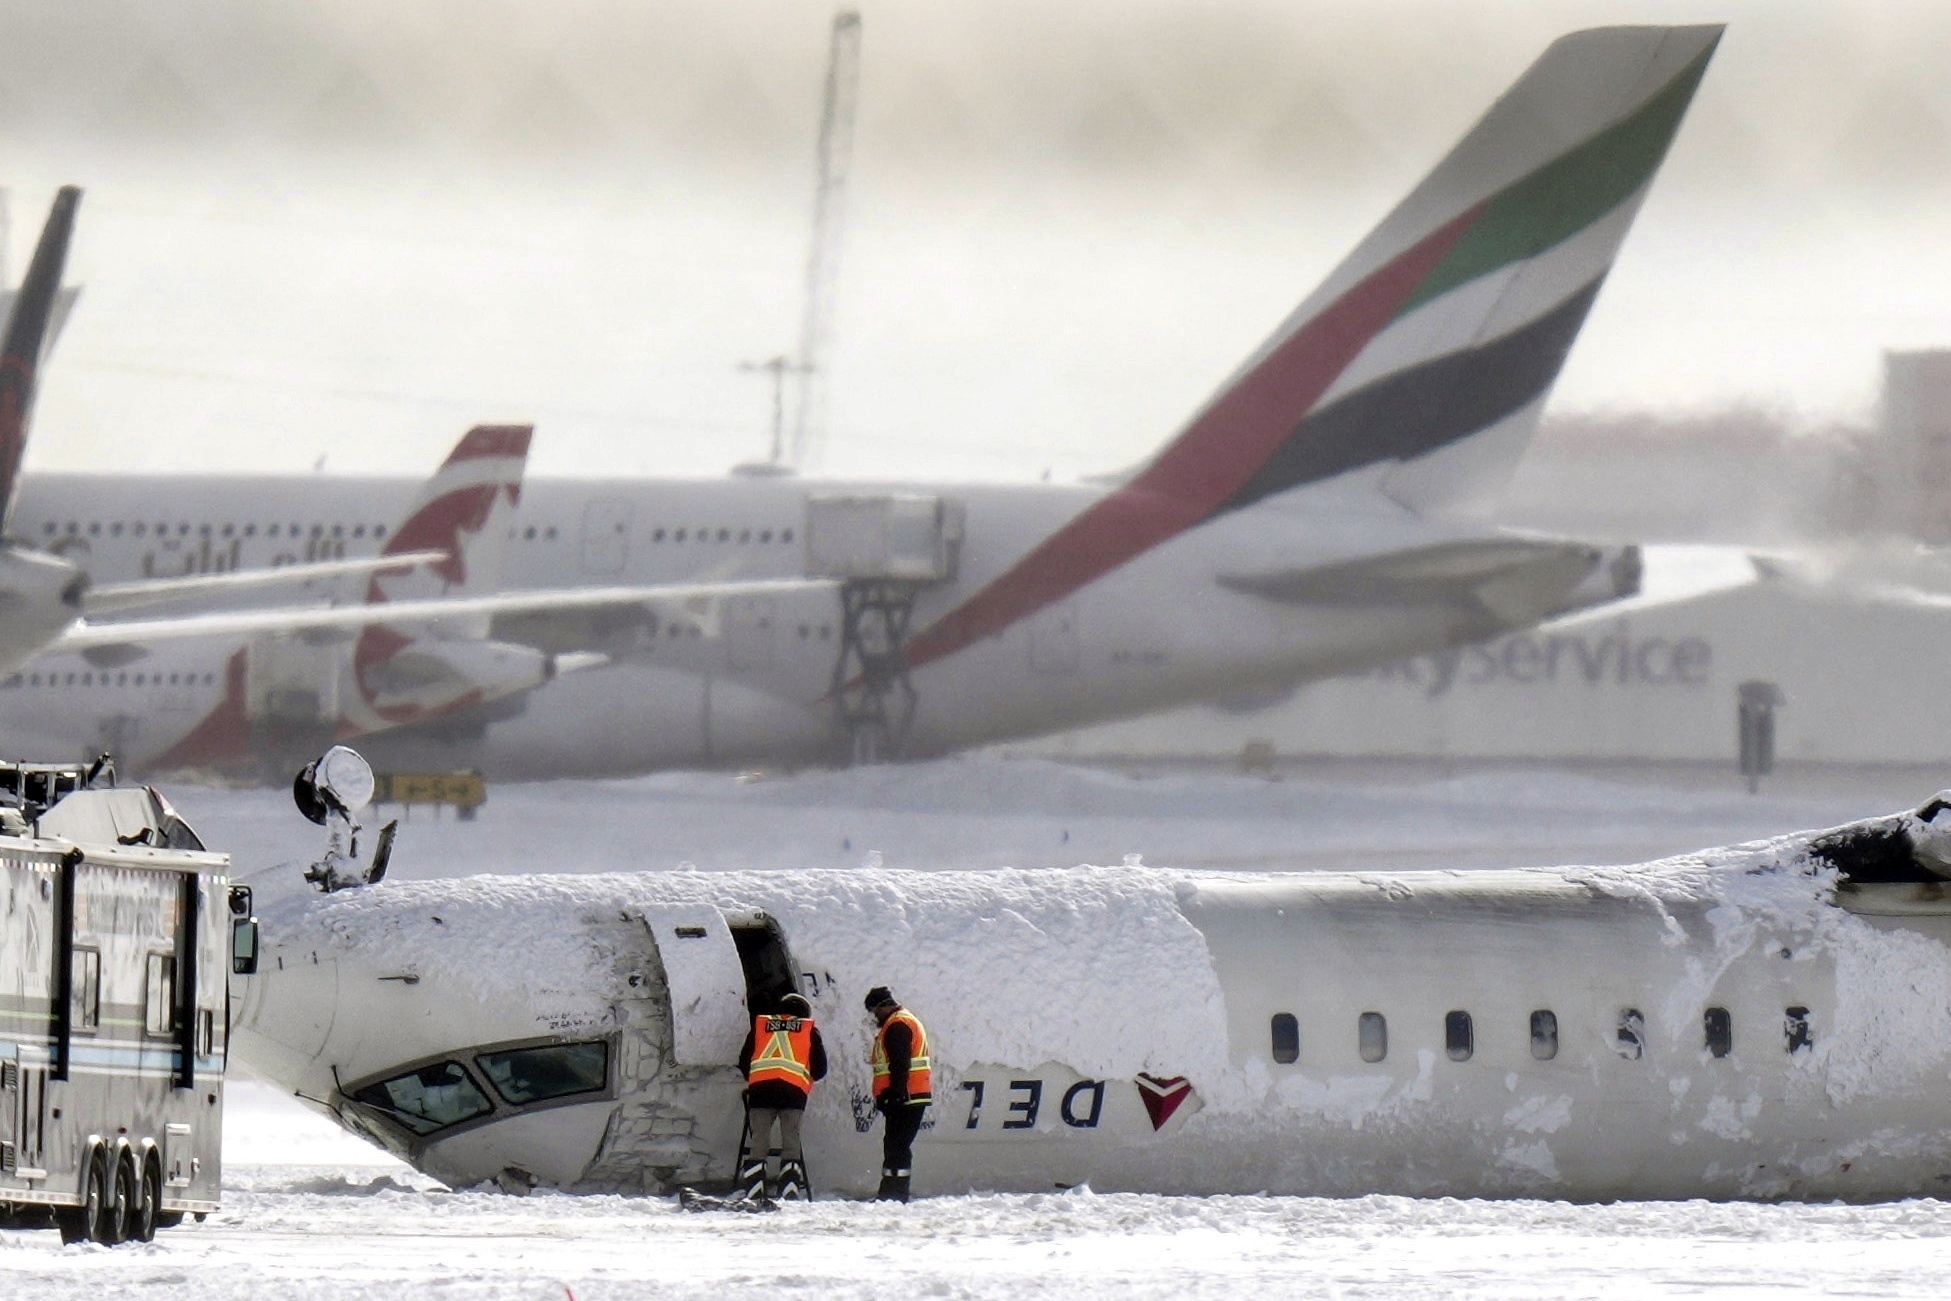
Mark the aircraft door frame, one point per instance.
(1053, 637)
(749, 632)
(606, 535)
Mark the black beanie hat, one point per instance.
(795, 1005)
(878, 995)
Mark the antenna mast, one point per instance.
(835, 159)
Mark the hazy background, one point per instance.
(349, 228)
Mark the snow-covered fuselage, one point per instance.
(1741, 1023)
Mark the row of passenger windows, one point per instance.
(143, 529)
(743, 537)
(530, 533)
(1460, 1044)
(106, 679)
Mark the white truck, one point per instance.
(118, 938)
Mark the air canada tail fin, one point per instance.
(464, 510)
(1427, 354)
(26, 342)
(414, 672)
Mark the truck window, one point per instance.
(524, 1075)
(88, 991)
(430, 1098)
(159, 995)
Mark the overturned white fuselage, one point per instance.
(1767, 1021)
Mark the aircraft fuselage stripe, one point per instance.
(1420, 409)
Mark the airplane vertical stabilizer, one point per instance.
(1427, 354)
(26, 342)
(465, 510)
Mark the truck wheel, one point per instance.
(119, 1201)
(83, 1223)
(149, 1195)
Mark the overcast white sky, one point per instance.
(352, 227)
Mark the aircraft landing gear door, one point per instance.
(606, 535)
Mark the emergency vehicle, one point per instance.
(118, 937)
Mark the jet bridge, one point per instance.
(883, 549)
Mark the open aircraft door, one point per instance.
(706, 981)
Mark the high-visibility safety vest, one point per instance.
(782, 1050)
(921, 1080)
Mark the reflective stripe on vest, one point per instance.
(921, 1079)
(782, 1051)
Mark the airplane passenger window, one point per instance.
(141, 529)
(1459, 1038)
(1631, 1038)
(48, 527)
(786, 536)
(524, 1075)
(379, 530)
(116, 528)
(765, 535)
(1373, 1037)
(1718, 1026)
(1795, 1027)
(678, 536)
(1287, 1038)
(1544, 1035)
(428, 1099)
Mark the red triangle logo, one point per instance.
(1162, 1098)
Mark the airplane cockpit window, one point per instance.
(1287, 1038)
(1795, 1028)
(433, 1097)
(525, 1075)
(1459, 1036)
(1544, 1035)
(1630, 1041)
(1372, 1036)
(1718, 1025)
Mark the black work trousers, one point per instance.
(898, 1143)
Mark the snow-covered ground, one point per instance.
(310, 1211)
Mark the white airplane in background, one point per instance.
(1319, 513)
(414, 649)
(1766, 1021)
(42, 594)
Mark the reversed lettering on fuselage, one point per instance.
(1617, 659)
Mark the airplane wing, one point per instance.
(112, 598)
(326, 623)
(1511, 580)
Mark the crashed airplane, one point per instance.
(1765, 1021)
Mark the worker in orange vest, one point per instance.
(782, 1057)
(903, 1088)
